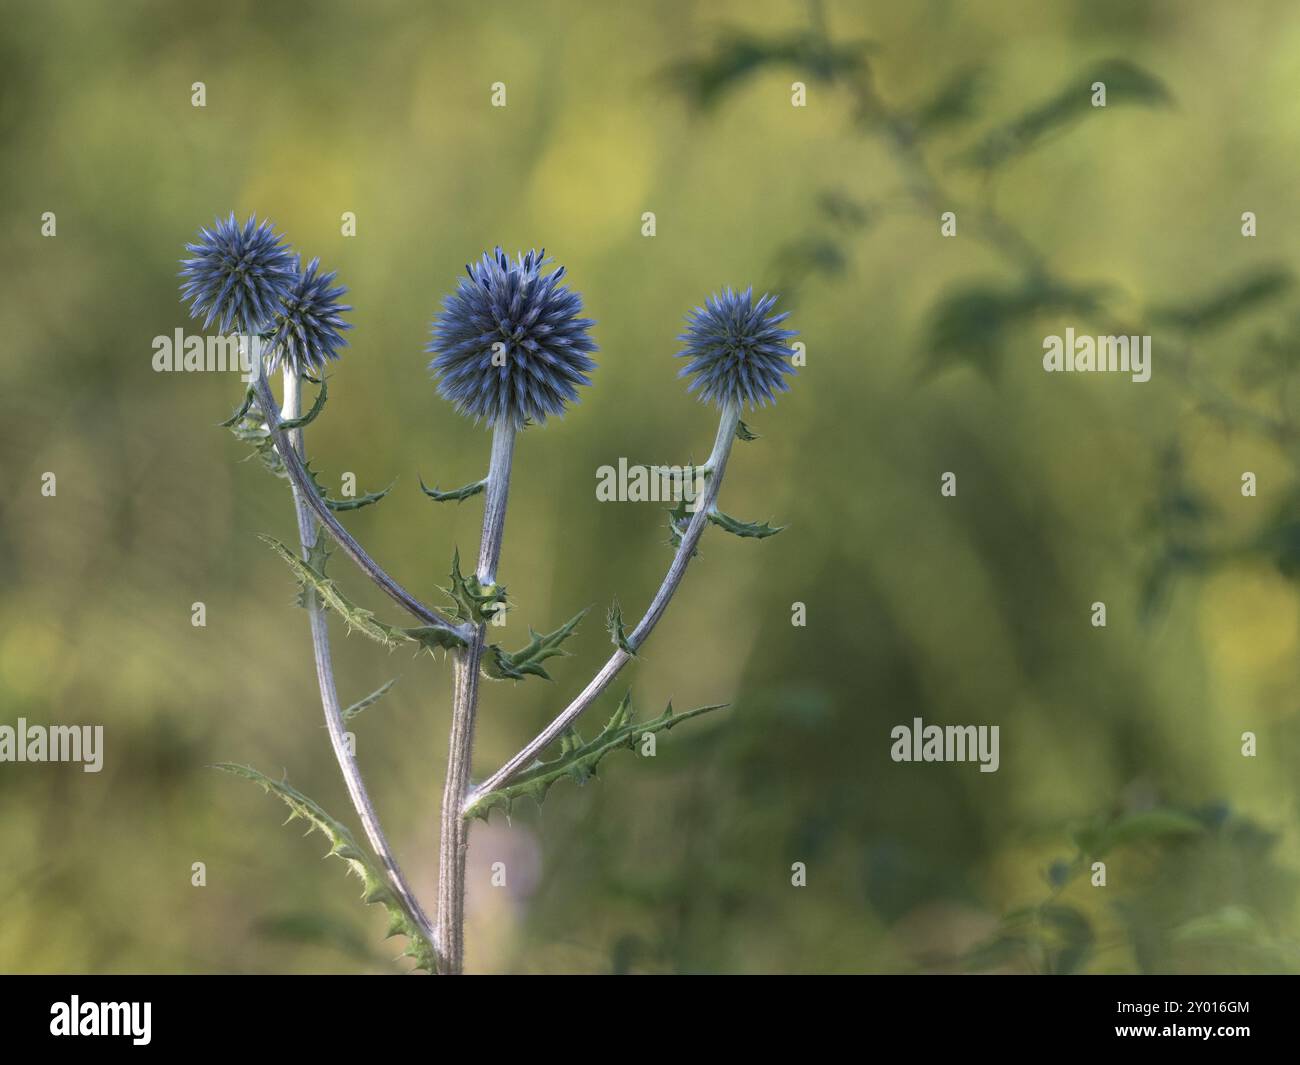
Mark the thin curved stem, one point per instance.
(307, 533)
(306, 492)
(454, 841)
(717, 465)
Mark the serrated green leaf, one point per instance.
(756, 529)
(473, 602)
(376, 888)
(577, 760)
(249, 429)
(356, 618)
(368, 701)
(249, 396)
(318, 556)
(339, 505)
(310, 416)
(744, 432)
(457, 494)
(1126, 83)
(357, 502)
(499, 664)
(433, 638)
(614, 623)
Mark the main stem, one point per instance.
(455, 827)
(320, 638)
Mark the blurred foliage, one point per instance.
(923, 357)
(1125, 83)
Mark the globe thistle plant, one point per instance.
(737, 350)
(236, 275)
(509, 344)
(306, 327)
(510, 347)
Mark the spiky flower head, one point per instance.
(509, 344)
(737, 350)
(236, 274)
(306, 329)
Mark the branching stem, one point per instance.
(717, 464)
(305, 491)
(307, 533)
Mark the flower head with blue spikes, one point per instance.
(236, 274)
(307, 327)
(510, 343)
(738, 353)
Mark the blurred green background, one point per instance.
(923, 357)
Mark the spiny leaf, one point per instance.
(357, 502)
(457, 494)
(1126, 83)
(499, 664)
(342, 845)
(577, 760)
(758, 530)
(744, 432)
(433, 637)
(249, 395)
(358, 619)
(310, 416)
(338, 505)
(250, 429)
(614, 623)
(473, 602)
(368, 701)
(318, 556)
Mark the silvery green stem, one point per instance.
(454, 841)
(717, 465)
(305, 491)
(494, 507)
(307, 533)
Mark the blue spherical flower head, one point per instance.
(509, 344)
(306, 329)
(737, 350)
(236, 275)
